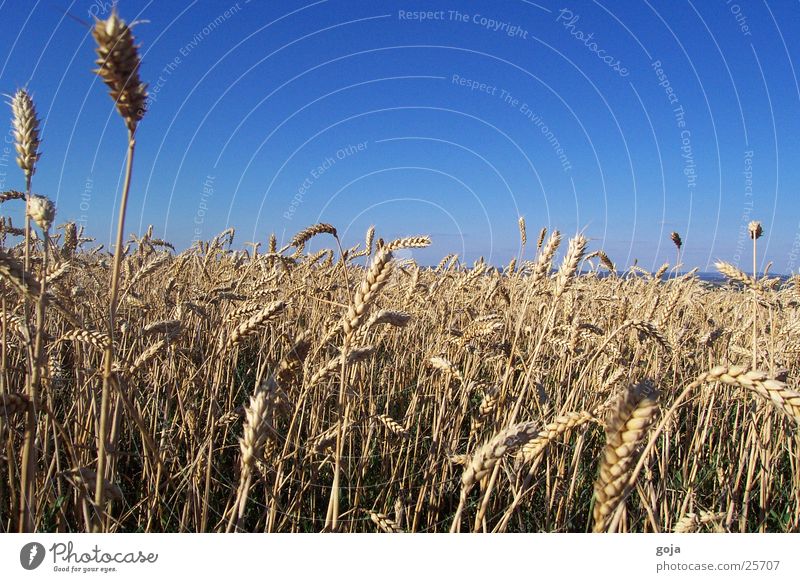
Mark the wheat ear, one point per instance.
(302, 237)
(118, 65)
(561, 425)
(544, 261)
(624, 434)
(691, 522)
(778, 393)
(376, 277)
(26, 142)
(251, 446)
(384, 523)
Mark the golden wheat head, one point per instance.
(118, 65)
(26, 131)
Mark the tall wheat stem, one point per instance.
(108, 358)
(29, 460)
(27, 228)
(28, 477)
(755, 308)
(755, 230)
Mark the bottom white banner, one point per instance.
(353, 557)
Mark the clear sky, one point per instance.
(626, 120)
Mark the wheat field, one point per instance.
(307, 387)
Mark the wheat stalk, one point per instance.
(118, 65)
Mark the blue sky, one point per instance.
(625, 120)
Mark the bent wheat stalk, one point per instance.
(786, 400)
(533, 450)
(486, 458)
